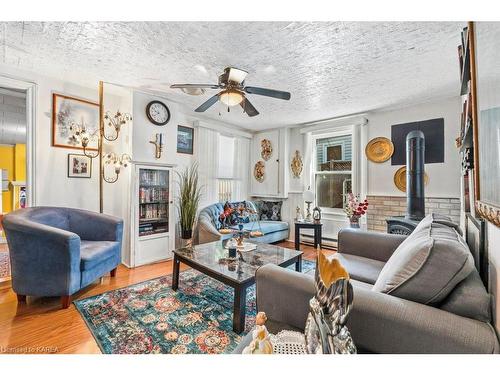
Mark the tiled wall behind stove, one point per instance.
(382, 207)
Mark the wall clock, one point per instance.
(157, 113)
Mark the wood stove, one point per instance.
(415, 199)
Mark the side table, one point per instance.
(318, 229)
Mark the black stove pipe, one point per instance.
(415, 160)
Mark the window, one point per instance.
(332, 169)
(226, 168)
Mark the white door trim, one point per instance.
(31, 110)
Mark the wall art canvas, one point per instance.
(68, 111)
(79, 166)
(185, 139)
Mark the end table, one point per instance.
(308, 225)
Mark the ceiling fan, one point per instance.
(233, 91)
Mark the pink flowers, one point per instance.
(354, 208)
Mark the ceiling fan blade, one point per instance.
(249, 108)
(210, 102)
(194, 86)
(268, 92)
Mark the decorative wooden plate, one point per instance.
(400, 179)
(379, 149)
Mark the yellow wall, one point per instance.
(13, 159)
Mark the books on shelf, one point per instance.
(150, 177)
(153, 211)
(153, 194)
(153, 201)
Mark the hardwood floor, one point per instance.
(41, 326)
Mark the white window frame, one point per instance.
(358, 165)
(226, 181)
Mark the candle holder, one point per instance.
(158, 142)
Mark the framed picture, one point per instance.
(185, 139)
(66, 111)
(79, 166)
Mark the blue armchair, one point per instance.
(56, 251)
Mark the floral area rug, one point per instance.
(4, 265)
(150, 317)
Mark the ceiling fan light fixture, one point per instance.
(236, 75)
(231, 97)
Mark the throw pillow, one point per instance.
(270, 211)
(427, 265)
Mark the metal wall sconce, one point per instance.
(158, 142)
(118, 162)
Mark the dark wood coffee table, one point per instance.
(211, 260)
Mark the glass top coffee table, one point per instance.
(211, 259)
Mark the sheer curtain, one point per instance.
(207, 155)
(241, 168)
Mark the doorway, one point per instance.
(16, 154)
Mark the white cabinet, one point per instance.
(275, 181)
(152, 216)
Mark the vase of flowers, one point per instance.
(355, 209)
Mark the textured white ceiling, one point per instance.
(331, 69)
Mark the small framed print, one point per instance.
(185, 140)
(67, 110)
(79, 166)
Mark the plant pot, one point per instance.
(186, 234)
(354, 222)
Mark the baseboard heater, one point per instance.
(326, 242)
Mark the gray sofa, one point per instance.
(452, 316)
(208, 225)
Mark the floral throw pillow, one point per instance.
(270, 211)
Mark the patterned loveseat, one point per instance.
(207, 228)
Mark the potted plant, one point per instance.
(188, 199)
(355, 209)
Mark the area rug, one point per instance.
(4, 265)
(150, 317)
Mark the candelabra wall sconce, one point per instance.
(118, 162)
(158, 142)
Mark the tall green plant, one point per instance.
(189, 198)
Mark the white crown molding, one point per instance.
(339, 122)
(222, 128)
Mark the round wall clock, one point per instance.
(157, 113)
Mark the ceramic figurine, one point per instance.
(317, 215)
(261, 343)
(326, 331)
(298, 215)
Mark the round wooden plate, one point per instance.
(400, 179)
(379, 149)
